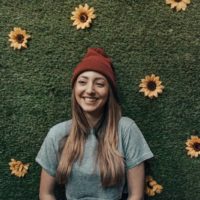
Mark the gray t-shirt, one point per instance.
(84, 182)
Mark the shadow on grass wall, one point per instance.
(143, 37)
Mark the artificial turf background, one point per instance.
(142, 37)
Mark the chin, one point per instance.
(90, 111)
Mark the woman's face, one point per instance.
(91, 92)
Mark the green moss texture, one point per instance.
(143, 37)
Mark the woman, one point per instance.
(96, 152)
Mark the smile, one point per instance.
(90, 99)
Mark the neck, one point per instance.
(93, 119)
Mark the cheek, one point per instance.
(105, 95)
(77, 91)
(77, 94)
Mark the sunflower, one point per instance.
(18, 168)
(82, 16)
(178, 4)
(151, 86)
(193, 146)
(152, 187)
(18, 38)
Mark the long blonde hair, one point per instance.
(109, 159)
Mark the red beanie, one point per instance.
(95, 60)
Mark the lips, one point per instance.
(90, 99)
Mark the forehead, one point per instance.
(92, 75)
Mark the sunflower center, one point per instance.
(151, 85)
(20, 38)
(196, 146)
(83, 17)
(178, 1)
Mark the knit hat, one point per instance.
(95, 60)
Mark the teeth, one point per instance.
(90, 99)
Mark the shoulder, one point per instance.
(132, 143)
(60, 130)
(126, 122)
(128, 126)
(48, 154)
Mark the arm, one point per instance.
(47, 184)
(135, 180)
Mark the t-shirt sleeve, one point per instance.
(135, 147)
(47, 156)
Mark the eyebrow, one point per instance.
(97, 78)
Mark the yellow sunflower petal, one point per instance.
(153, 94)
(181, 6)
(168, 1)
(159, 188)
(186, 1)
(86, 6)
(173, 5)
(195, 137)
(152, 183)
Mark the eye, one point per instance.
(81, 82)
(100, 84)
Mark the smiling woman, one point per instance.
(98, 152)
(91, 92)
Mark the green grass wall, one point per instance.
(142, 37)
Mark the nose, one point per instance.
(90, 88)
